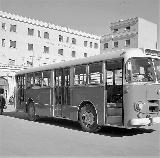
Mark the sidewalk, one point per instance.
(12, 112)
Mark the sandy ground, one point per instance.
(62, 138)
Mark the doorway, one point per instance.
(114, 91)
(62, 90)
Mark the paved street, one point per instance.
(62, 138)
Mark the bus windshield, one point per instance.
(143, 69)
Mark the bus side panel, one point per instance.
(70, 112)
(94, 94)
(42, 100)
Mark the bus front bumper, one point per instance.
(144, 121)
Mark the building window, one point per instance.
(90, 44)
(73, 41)
(60, 51)
(96, 45)
(127, 42)
(3, 26)
(85, 54)
(46, 49)
(39, 34)
(127, 28)
(12, 44)
(60, 38)
(13, 28)
(3, 42)
(73, 53)
(115, 30)
(46, 35)
(30, 32)
(105, 45)
(11, 62)
(85, 43)
(116, 44)
(30, 47)
(67, 40)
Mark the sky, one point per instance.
(91, 16)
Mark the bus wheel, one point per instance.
(88, 118)
(31, 112)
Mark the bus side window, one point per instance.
(21, 87)
(109, 77)
(38, 79)
(46, 79)
(118, 77)
(128, 71)
(30, 80)
(80, 75)
(66, 73)
(58, 77)
(95, 73)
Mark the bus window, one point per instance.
(114, 72)
(128, 68)
(46, 78)
(58, 77)
(80, 75)
(66, 96)
(109, 77)
(38, 79)
(66, 77)
(157, 68)
(95, 73)
(143, 70)
(30, 80)
(118, 77)
(21, 87)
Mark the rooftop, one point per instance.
(46, 25)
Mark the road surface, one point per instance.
(62, 138)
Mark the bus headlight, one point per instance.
(138, 106)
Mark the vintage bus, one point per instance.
(119, 88)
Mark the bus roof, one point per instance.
(99, 57)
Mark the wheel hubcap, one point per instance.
(88, 118)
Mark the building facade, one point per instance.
(26, 42)
(135, 33)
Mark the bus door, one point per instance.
(21, 93)
(42, 93)
(114, 92)
(62, 90)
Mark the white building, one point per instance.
(134, 32)
(27, 42)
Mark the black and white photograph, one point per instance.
(79, 78)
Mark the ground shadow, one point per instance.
(106, 130)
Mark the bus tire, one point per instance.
(31, 112)
(88, 118)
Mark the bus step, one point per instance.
(114, 120)
(114, 105)
(114, 111)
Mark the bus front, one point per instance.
(142, 90)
